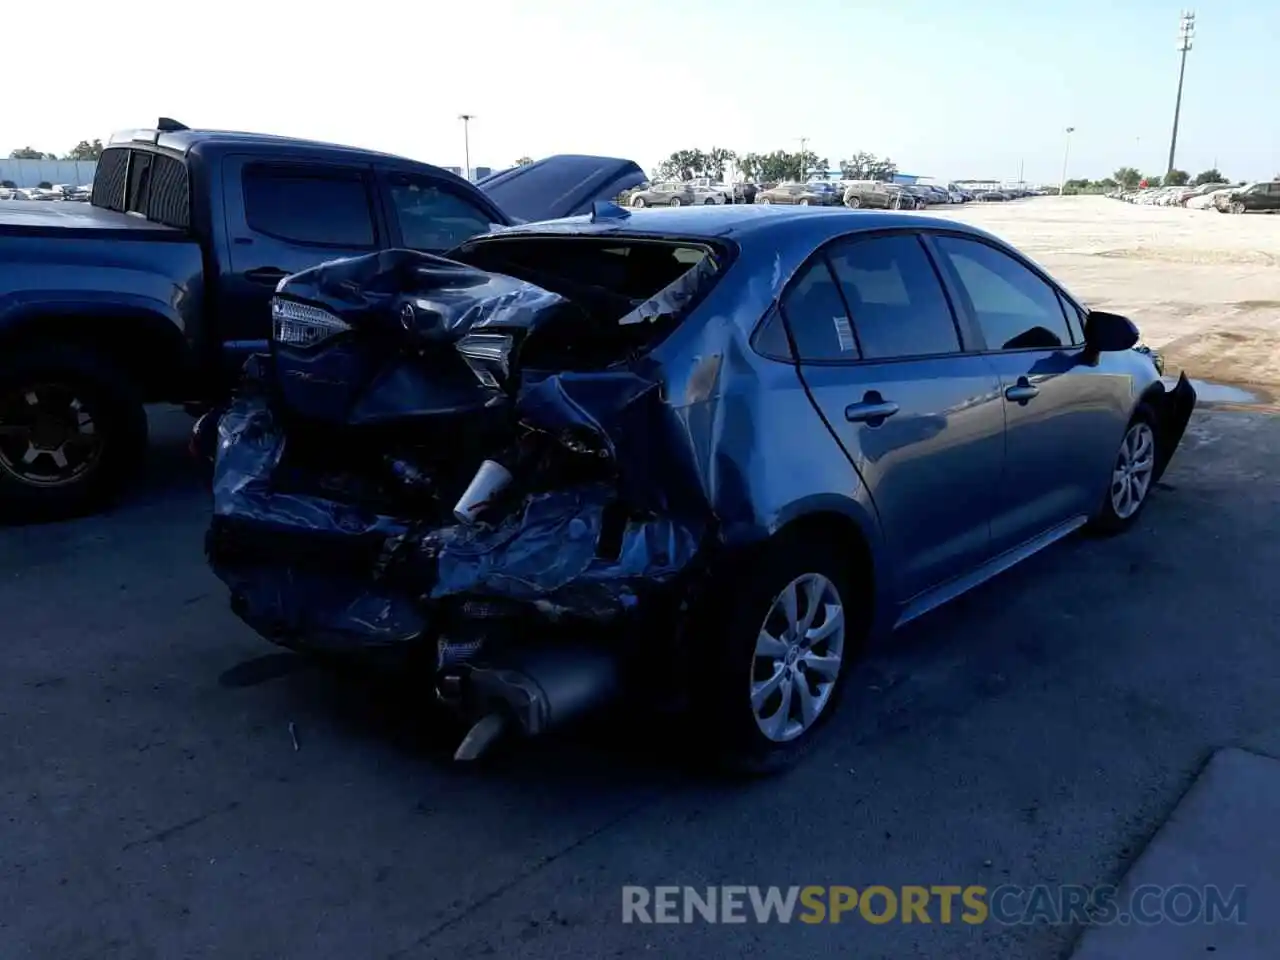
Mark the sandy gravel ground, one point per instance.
(1203, 286)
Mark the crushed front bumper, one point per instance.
(1174, 412)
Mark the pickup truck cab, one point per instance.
(159, 288)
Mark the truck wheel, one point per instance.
(73, 432)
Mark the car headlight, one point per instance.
(488, 355)
(296, 324)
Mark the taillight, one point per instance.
(296, 324)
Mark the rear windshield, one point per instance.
(632, 292)
(147, 184)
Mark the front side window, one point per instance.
(319, 208)
(433, 218)
(1014, 308)
(898, 305)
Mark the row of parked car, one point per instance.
(872, 194)
(1257, 197)
(59, 191)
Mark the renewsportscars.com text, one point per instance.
(939, 903)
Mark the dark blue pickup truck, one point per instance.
(157, 290)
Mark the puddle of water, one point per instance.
(1207, 392)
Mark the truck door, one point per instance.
(283, 216)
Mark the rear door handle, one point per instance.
(271, 275)
(873, 410)
(1022, 391)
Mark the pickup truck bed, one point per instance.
(39, 218)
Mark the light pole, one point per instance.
(466, 119)
(1066, 154)
(803, 141)
(1186, 31)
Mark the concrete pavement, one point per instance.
(1222, 836)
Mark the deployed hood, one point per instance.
(561, 186)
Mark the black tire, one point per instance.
(1107, 521)
(113, 406)
(853, 203)
(720, 696)
(638, 203)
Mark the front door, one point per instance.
(1060, 409)
(882, 356)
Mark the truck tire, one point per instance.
(73, 433)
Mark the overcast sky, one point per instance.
(945, 89)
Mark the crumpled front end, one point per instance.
(489, 516)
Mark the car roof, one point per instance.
(745, 223)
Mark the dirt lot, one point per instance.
(1203, 286)
(154, 803)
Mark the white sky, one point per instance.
(949, 91)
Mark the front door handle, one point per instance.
(1022, 391)
(873, 410)
(271, 275)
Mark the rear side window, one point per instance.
(898, 305)
(1015, 308)
(329, 208)
(816, 315)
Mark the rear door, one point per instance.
(1061, 410)
(887, 365)
(283, 217)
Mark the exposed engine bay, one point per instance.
(468, 460)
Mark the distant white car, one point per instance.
(708, 193)
(714, 186)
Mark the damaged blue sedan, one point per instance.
(694, 457)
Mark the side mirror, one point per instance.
(1109, 332)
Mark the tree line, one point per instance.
(1129, 178)
(771, 167)
(84, 150)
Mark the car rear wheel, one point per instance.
(778, 652)
(73, 432)
(765, 200)
(1133, 475)
(637, 202)
(675, 201)
(1237, 207)
(803, 201)
(710, 201)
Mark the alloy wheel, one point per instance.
(48, 437)
(798, 655)
(1134, 470)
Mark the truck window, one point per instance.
(329, 208)
(433, 218)
(151, 185)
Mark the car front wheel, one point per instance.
(779, 652)
(1132, 475)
